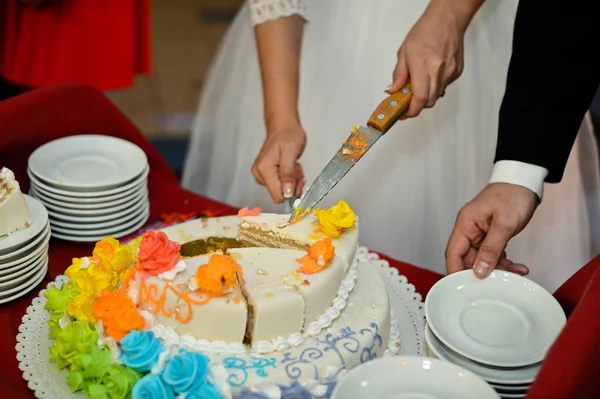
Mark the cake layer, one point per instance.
(14, 214)
(265, 230)
(285, 301)
(186, 312)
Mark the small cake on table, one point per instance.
(14, 213)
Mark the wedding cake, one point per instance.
(14, 214)
(275, 310)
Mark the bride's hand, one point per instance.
(277, 166)
(431, 55)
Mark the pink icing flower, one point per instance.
(157, 254)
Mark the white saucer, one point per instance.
(102, 210)
(87, 162)
(27, 286)
(82, 221)
(69, 236)
(17, 263)
(32, 269)
(411, 377)
(97, 202)
(17, 273)
(85, 227)
(507, 376)
(64, 194)
(39, 219)
(15, 255)
(504, 320)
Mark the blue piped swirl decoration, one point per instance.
(241, 368)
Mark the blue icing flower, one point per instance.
(207, 391)
(295, 391)
(186, 371)
(151, 386)
(140, 350)
(249, 394)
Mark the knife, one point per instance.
(352, 150)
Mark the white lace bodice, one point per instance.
(264, 10)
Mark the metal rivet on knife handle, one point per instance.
(386, 114)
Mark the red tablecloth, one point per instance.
(30, 120)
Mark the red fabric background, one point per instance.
(102, 43)
(571, 369)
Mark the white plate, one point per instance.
(68, 236)
(504, 320)
(44, 235)
(6, 286)
(23, 289)
(8, 267)
(516, 390)
(83, 221)
(70, 195)
(94, 202)
(411, 377)
(111, 223)
(39, 219)
(507, 376)
(512, 396)
(99, 210)
(23, 269)
(87, 162)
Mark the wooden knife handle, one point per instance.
(390, 109)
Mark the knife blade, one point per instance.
(353, 149)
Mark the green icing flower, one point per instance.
(120, 381)
(57, 301)
(75, 340)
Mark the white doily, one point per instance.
(47, 382)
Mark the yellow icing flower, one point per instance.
(93, 280)
(335, 220)
(80, 307)
(75, 267)
(113, 256)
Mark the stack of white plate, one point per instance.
(499, 328)
(24, 254)
(93, 186)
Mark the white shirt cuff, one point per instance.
(521, 174)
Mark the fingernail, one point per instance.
(482, 268)
(288, 190)
(388, 87)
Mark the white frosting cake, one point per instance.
(14, 214)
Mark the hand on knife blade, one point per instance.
(353, 149)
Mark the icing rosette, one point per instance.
(318, 258)
(72, 342)
(58, 300)
(112, 256)
(205, 392)
(118, 314)
(156, 254)
(117, 383)
(335, 220)
(218, 276)
(141, 350)
(245, 211)
(152, 386)
(186, 371)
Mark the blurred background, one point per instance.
(184, 37)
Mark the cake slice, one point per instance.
(265, 230)
(14, 213)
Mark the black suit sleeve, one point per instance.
(553, 75)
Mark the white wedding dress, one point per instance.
(409, 187)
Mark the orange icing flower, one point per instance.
(245, 211)
(218, 276)
(335, 220)
(157, 254)
(319, 257)
(118, 314)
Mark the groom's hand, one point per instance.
(485, 225)
(431, 55)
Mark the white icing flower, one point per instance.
(315, 389)
(85, 262)
(133, 292)
(170, 274)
